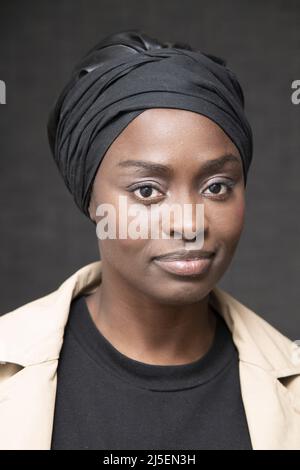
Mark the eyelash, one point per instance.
(228, 184)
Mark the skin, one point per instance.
(146, 313)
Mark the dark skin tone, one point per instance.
(147, 314)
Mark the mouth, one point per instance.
(184, 263)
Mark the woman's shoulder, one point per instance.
(257, 340)
(34, 331)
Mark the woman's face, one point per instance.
(184, 145)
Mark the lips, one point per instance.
(185, 255)
(188, 265)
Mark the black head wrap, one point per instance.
(122, 76)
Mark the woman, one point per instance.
(142, 350)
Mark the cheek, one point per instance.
(132, 224)
(124, 253)
(239, 216)
(126, 258)
(228, 222)
(125, 249)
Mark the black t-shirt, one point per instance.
(106, 400)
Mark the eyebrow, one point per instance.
(159, 169)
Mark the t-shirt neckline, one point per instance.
(150, 376)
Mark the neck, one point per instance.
(148, 331)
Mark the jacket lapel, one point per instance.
(27, 406)
(273, 422)
(28, 365)
(265, 357)
(27, 395)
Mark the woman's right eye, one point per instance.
(146, 192)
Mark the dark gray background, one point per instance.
(45, 238)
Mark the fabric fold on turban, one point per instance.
(122, 76)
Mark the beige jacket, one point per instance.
(31, 338)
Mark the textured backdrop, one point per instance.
(44, 237)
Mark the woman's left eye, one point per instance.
(216, 188)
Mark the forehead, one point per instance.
(169, 136)
(163, 123)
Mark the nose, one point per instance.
(185, 219)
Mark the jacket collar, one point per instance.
(258, 343)
(39, 327)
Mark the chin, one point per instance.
(184, 294)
